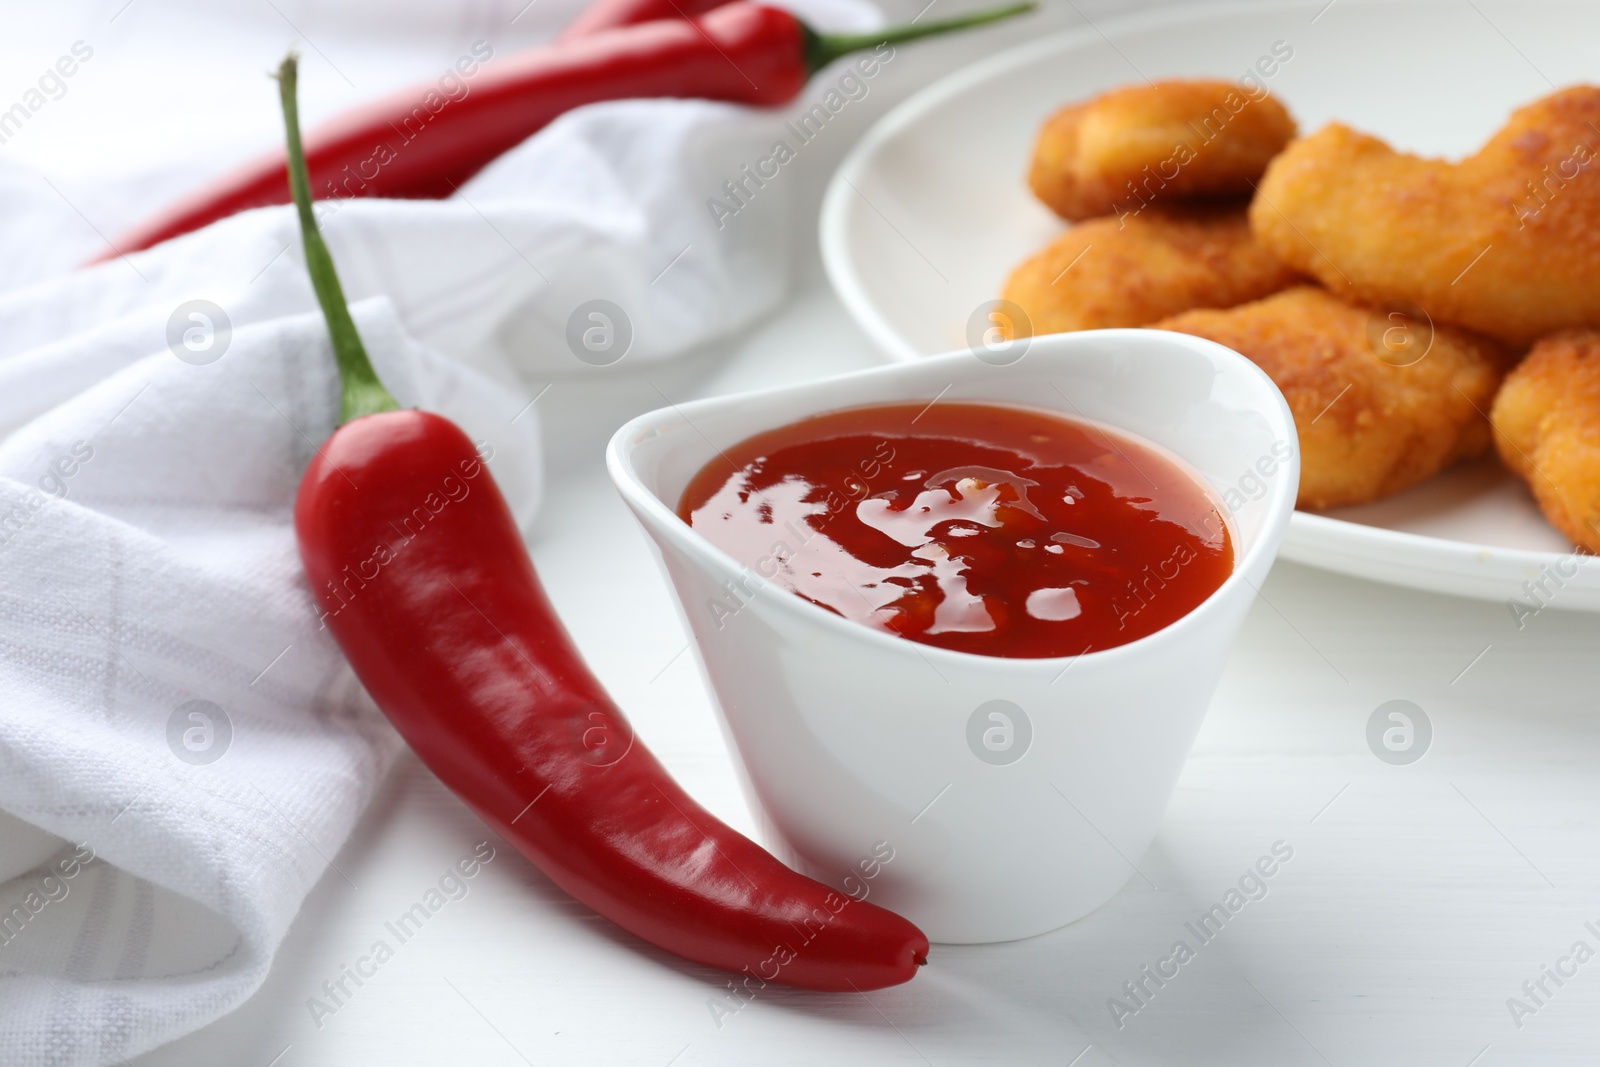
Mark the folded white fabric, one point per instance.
(182, 752)
(169, 701)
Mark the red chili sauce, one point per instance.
(1003, 531)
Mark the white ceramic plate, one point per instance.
(930, 211)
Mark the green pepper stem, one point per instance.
(361, 392)
(824, 48)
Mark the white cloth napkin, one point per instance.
(182, 752)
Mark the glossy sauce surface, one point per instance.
(998, 530)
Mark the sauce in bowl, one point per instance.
(984, 528)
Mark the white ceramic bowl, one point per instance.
(856, 745)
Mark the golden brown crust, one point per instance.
(1146, 143)
(1130, 272)
(1506, 242)
(1547, 429)
(1372, 416)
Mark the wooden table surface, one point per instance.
(1417, 901)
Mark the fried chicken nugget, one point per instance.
(1131, 272)
(1374, 416)
(1177, 138)
(1547, 429)
(1506, 242)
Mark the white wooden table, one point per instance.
(1418, 898)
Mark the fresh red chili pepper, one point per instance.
(430, 593)
(609, 14)
(741, 52)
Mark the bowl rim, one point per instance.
(1279, 502)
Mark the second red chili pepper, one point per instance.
(399, 147)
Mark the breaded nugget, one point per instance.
(1130, 146)
(1506, 242)
(1131, 272)
(1376, 412)
(1547, 429)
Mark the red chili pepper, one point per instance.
(610, 14)
(398, 147)
(429, 592)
